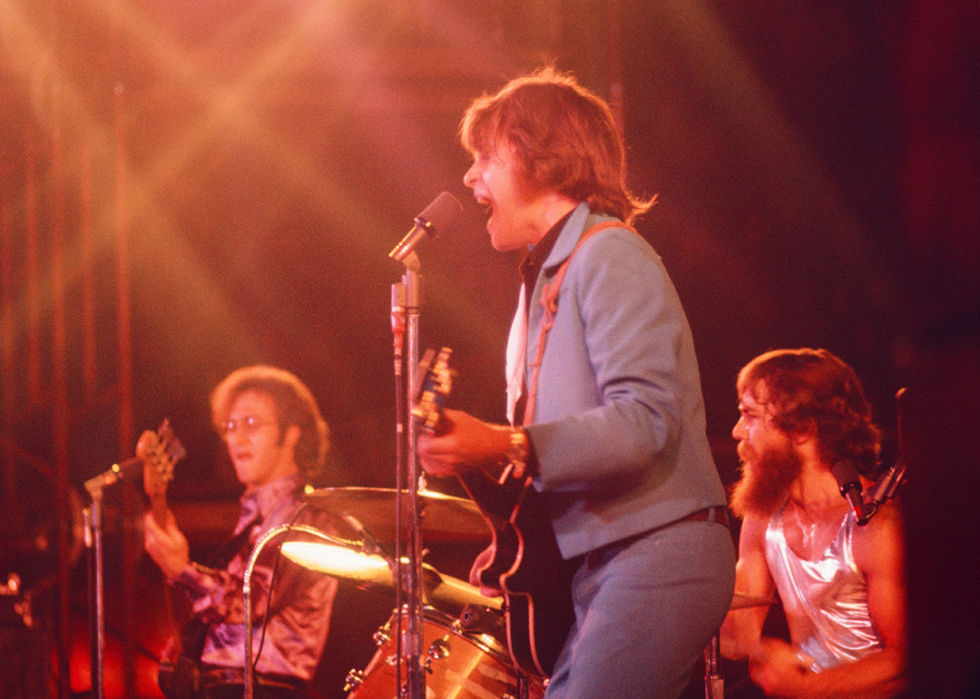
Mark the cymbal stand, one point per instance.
(405, 308)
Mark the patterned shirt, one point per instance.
(296, 624)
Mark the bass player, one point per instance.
(276, 439)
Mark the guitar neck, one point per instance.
(159, 508)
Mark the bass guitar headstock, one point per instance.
(159, 451)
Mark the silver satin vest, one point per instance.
(826, 600)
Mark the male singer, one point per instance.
(613, 428)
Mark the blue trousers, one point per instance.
(645, 612)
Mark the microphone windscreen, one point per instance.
(440, 214)
(846, 474)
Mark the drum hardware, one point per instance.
(714, 682)
(354, 679)
(479, 618)
(381, 636)
(444, 518)
(456, 663)
(438, 650)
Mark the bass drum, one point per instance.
(458, 664)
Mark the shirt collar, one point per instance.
(536, 256)
(268, 496)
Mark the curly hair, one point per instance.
(812, 386)
(565, 137)
(295, 405)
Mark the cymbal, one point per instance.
(740, 601)
(338, 561)
(444, 518)
(443, 592)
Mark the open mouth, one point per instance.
(486, 204)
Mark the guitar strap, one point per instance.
(549, 302)
(223, 556)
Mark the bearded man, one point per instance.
(841, 585)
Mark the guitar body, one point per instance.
(527, 566)
(526, 563)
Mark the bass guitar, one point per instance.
(178, 676)
(524, 561)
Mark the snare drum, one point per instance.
(457, 664)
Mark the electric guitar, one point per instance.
(178, 674)
(525, 562)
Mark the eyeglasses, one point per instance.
(251, 423)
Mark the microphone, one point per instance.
(846, 475)
(369, 544)
(887, 486)
(438, 215)
(125, 469)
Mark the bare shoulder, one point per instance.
(881, 541)
(753, 532)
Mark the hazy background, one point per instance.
(816, 165)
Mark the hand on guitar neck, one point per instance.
(451, 442)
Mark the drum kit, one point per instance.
(463, 631)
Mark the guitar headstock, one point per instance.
(435, 384)
(159, 451)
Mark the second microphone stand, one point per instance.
(406, 302)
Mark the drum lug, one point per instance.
(354, 679)
(439, 649)
(381, 636)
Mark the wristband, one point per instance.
(518, 451)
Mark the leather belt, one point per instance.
(216, 676)
(717, 515)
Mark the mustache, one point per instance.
(745, 452)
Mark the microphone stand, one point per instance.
(406, 302)
(406, 305)
(889, 483)
(93, 542)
